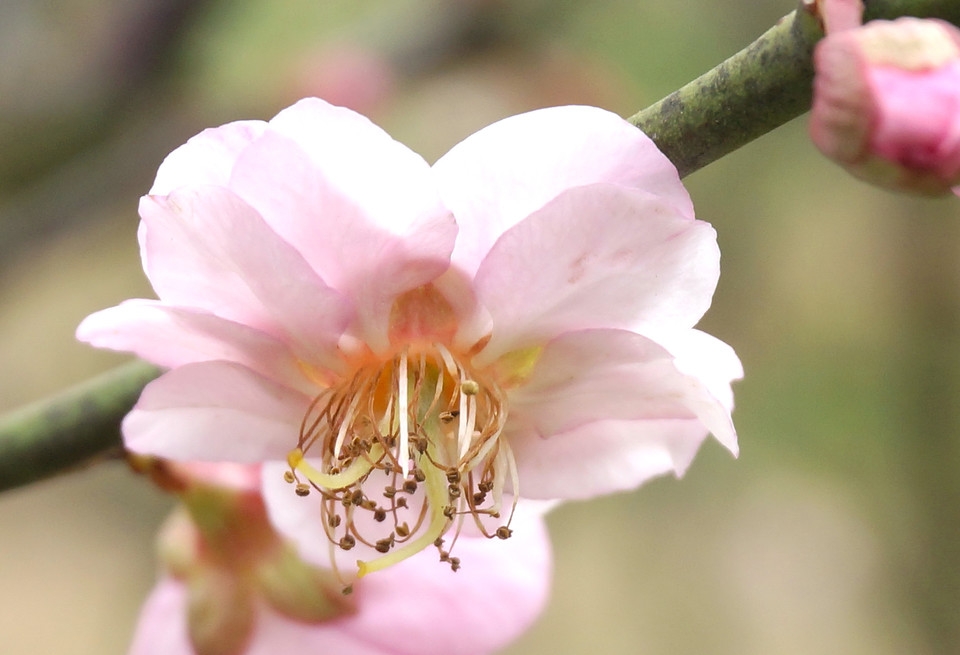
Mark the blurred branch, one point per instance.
(122, 74)
(758, 89)
(750, 94)
(71, 429)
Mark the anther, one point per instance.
(347, 542)
(410, 486)
(469, 388)
(453, 477)
(449, 511)
(302, 489)
(334, 520)
(503, 532)
(403, 530)
(346, 591)
(454, 491)
(447, 417)
(479, 497)
(454, 564)
(356, 498)
(288, 477)
(419, 475)
(389, 492)
(384, 545)
(379, 514)
(401, 502)
(421, 444)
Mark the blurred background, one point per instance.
(837, 530)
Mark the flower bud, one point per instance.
(887, 103)
(220, 544)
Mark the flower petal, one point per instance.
(215, 411)
(206, 158)
(706, 358)
(496, 595)
(593, 375)
(605, 456)
(495, 178)
(365, 238)
(162, 626)
(204, 247)
(173, 336)
(596, 256)
(420, 606)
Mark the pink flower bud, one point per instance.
(887, 103)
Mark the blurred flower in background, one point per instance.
(232, 586)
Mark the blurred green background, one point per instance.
(837, 530)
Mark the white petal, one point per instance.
(598, 256)
(498, 176)
(215, 411)
(370, 258)
(207, 158)
(204, 247)
(173, 336)
(605, 457)
(594, 375)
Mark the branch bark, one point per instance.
(758, 89)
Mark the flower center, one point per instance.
(407, 449)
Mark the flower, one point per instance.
(232, 586)
(410, 349)
(887, 103)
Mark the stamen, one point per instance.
(404, 413)
(345, 424)
(397, 416)
(436, 485)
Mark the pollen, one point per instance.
(402, 452)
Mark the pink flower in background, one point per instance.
(232, 586)
(409, 349)
(887, 103)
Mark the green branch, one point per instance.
(71, 429)
(750, 94)
(758, 89)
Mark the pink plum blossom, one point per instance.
(232, 586)
(408, 350)
(887, 103)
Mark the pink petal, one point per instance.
(175, 336)
(352, 231)
(204, 247)
(605, 456)
(277, 634)
(421, 607)
(496, 177)
(215, 411)
(297, 518)
(708, 359)
(162, 626)
(207, 158)
(596, 256)
(593, 375)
